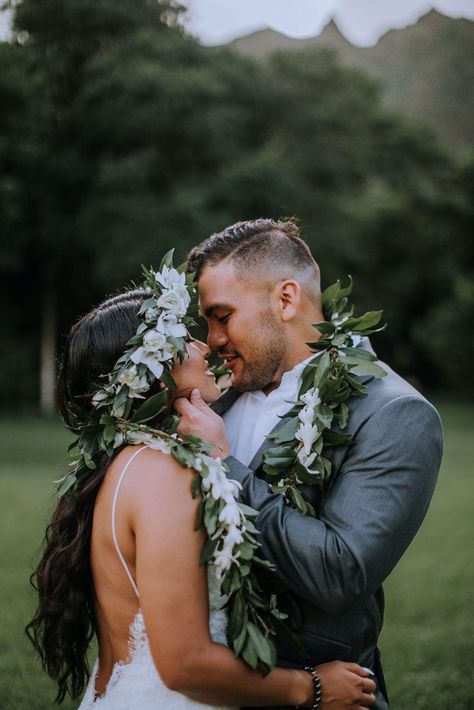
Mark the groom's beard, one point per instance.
(265, 354)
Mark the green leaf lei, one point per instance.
(320, 413)
(119, 414)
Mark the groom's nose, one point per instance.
(216, 336)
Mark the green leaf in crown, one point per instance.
(320, 413)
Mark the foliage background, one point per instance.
(121, 137)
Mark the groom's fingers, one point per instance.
(368, 689)
(183, 406)
(198, 419)
(197, 400)
(187, 406)
(359, 670)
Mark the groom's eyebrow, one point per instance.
(210, 310)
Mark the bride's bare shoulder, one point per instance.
(150, 471)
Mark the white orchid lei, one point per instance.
(320, 413)
(119, 414)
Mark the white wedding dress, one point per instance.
(135, 683)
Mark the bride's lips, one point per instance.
(207, 370)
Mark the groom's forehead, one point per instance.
(215, 296)
(219, 287)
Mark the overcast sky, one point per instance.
(362, 21)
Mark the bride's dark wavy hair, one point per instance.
(65, 622)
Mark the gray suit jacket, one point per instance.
(377, 497)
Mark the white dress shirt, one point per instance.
(254, 414)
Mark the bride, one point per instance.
(121, 554)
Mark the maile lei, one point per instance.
(119, 414)
(320, 413)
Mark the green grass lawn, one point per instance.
(428, 639)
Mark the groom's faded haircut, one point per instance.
(261, 249)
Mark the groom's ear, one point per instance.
(289, 298)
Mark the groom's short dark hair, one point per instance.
(260, 245)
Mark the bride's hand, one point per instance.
(345, 686)
(197, 418)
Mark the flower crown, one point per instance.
(117, 417)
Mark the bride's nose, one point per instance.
(204, 349)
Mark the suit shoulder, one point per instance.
(393, 396)
(392, 387)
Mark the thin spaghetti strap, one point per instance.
(114, 533)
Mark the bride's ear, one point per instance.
(289, 298)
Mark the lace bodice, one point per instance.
(135, 683)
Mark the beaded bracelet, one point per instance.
(316, 687)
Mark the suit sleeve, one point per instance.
(373, 511)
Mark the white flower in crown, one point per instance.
(154, 342)
(99, 397)
(169, 278)
(155, 350)
(175, 300)
(153, 363)
(151, 314)
(169, 324)
(136, 385)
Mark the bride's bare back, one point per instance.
(154, 499)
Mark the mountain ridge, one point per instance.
(425, 69)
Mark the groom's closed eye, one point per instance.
(223, 319)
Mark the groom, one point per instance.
(259, 289)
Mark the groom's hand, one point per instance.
(198, 419)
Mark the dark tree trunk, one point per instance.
(48, 349)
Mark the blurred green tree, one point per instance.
(124, 137)
(63, 36)
(19, 150)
